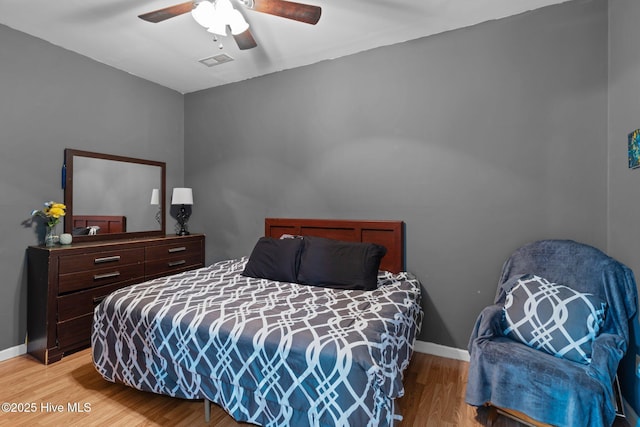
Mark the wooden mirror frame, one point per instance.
(69, 155)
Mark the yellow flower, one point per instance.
(52, 212)
(56, 212)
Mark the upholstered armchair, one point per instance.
(549, 347)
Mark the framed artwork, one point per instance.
(634, 149)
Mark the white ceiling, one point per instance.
(167, 53)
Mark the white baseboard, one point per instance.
(13, 352)
(420, 347)
(441, 350)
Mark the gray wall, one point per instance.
(624, 183)
(481, 139)
(50, 99)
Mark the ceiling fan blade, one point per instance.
(168, 12)
(245, 40)
(287, 9)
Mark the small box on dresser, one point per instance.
(65, 283)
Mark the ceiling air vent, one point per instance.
(216, 60)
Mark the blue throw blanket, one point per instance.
(550, 389)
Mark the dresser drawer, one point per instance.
(100, 277)
(105, 259)
(175, 250)
(81, 303)
(75, 332)
(162, 267)
(65, 283)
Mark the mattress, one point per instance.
(270, 353)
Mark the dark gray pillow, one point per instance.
(554, 318)
(274, 259)
(339, 264)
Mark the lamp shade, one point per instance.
(182, 196)
(155, 196)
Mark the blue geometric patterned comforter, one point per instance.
(269, 353)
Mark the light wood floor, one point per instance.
(434, 396)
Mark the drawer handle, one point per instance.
(180, 249)
(176, 263)
(98, 300)
(106, 275)
(106, 259)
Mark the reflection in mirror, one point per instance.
(107, 187)
(109, 195)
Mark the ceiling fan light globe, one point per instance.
(237, 23)
(204, 13)
(218, 28)
(224, 7)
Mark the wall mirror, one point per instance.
(111, 197)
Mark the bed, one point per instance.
(273, 352)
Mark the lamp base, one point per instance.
(183, 229)
(182, 217)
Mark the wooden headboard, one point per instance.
(390, 234)
(107, 223)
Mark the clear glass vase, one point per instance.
(50, 236)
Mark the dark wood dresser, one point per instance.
(65, 283)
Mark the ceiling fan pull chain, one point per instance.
(215, 40)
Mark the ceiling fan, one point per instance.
(217, 15)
